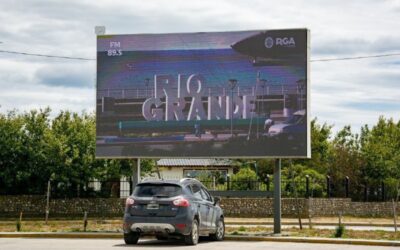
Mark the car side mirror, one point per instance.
(217, 200)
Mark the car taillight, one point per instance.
(129, 202)
(181, 202)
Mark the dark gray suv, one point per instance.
(168, 208)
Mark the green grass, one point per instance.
(102, 225)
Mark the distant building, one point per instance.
(211, 171)
(194, 168)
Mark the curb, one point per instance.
(314, 240)
(63, 235)
(228, 238)
(314, 224)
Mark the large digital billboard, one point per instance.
(242, 94)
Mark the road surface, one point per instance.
(101, 244)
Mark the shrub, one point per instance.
(339, 231)
(18, 226)
(244, 179)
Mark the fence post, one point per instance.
(365, 192)
(328, 186)
(47, 201)
(307, 186)
(346, 186)
(383, 191)
(213, 182)
(85, 221)
(228, 178)
(267, 180)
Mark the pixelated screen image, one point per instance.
(213, 94)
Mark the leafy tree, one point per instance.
(294, 180)
(12, 149)
(244, 179)
(321, 148)
(381, 152)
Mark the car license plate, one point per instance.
(153, 206)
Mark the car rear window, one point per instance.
(157, 190)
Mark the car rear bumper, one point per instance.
(162, 228)
(180, 224)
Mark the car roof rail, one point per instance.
(149, 179)
(186, 179)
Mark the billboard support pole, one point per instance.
(277, 197)
(135, 173)
(138, 170)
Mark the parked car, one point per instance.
(173, 209)
(291, 128)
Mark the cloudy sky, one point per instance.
(354, 92)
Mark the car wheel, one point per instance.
(193, 237)
(131, 238)
(220, 231)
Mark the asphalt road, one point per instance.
(100, 244)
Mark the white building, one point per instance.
(194, 168)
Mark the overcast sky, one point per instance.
(353, 92)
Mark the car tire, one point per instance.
(131, 238)
(220, 231)
(193, 237)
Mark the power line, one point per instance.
(92, 59)
(49, 56)
(353, 58)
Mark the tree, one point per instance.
(12, 149)
(244, 179)
(321, 148)
(380, 151)
(346, 159)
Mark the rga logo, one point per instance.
(269, 42)
(280, 41)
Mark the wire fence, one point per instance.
(307, 187)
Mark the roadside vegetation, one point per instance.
(36, 148)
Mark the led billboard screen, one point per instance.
(214, 94)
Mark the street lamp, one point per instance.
(301, 86)
(262, 84)
(232, 85)
(146, 83)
